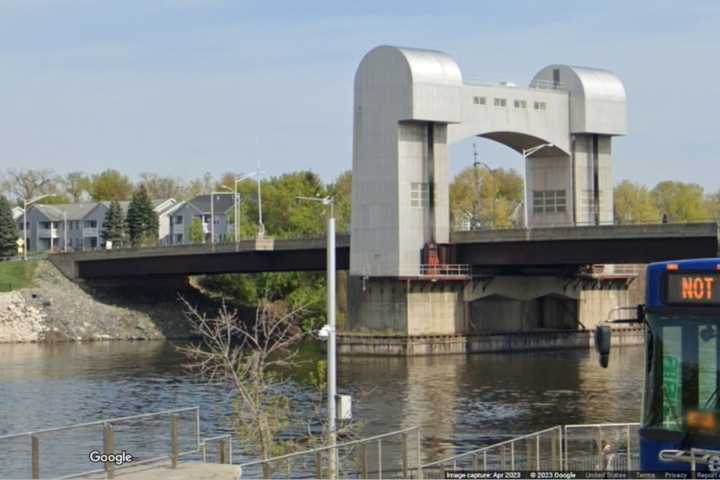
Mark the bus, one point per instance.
(680, 424)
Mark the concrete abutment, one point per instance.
(389, 315)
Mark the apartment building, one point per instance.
(78, 226)
(219, 206)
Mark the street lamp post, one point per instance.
(329, 329)
(26, 204)
(525, 154)
(64, 231)
(237, 202)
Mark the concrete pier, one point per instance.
(417, 345)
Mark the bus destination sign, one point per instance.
(696, 288)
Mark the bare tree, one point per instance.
(251, 357)
(162, 187)
(29, 183)
(76, 184)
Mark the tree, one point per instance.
(57, 199)
(114, 226)
(110, 185)
(197, 235)
(341, 191)
(76, 184)
(484, 198)
(681, 202)
(162, 187)
(8, 230)
(29, 183)
(142, 221)
(199, 186)
(253, 358)
(634, 204)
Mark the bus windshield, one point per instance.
(682, 373)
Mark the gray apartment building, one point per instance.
(202, 207)
(78, 226)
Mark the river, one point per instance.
(460, 401)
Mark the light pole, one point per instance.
(329, 329)
(261, 226)
(65, 231)
(525, 154)
(26, 204)
(212, 211)
(237, 202)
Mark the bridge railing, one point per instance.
(443, 269)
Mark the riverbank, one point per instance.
(54, 309)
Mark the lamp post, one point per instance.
(212, 212)
(329, 329)
(64, 231)
(26, 204)
(261, 225)
(525, 154)
(237, 202)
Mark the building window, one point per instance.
(549, 201)
(178, 220)
(500, 102)
(520, 104)
(419, 194)
(90, 223)
(178, 238)
(540, 105)
(479, 100)
(45, 225)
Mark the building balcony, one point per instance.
(178, 229)
(47, 232)
(90, 231)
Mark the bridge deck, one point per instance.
(509, 249)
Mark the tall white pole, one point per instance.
(331, 372)
(25, 242)
(65, 231)
(261, 227)
(237, 214)
(212, 218)
(525, 187)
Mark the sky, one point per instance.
(184, 87)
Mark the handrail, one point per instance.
(330, 447)
(493, 446)
(99, 422)
(621, 424)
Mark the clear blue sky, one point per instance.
(181, 87)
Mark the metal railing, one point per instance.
(535, 451)
(381, 456)
(149, 438)
(605, 446)
(444, 269)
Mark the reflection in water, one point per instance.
(460, 401)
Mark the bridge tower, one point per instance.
(410, 104)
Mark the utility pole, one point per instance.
(329, 330)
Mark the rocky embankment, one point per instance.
(56, 309)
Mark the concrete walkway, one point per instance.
(184, 471)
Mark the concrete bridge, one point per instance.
(499, 251)
(408, 273)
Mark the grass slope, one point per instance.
(14, 275)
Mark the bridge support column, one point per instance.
(414, 306)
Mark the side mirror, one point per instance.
(603, 337)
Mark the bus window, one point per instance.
(672, 378)
(707, 374)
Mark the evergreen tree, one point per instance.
(114, 225)
(142, 221)
(8, 230)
